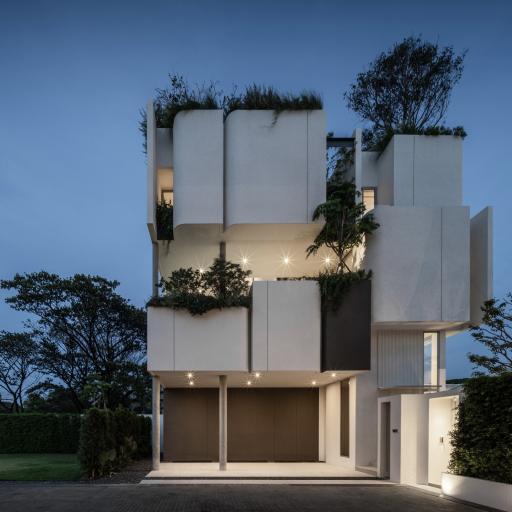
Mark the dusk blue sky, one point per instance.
(75, 74)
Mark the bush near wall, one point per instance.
(39, 433)
(482, 438)
(109, 440)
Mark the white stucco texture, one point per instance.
(286, 326)
(419, 170)
(420, 262)
(217, 340)
(274, 166)
(198, 149)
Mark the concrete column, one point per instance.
(155, 441)
(223, 422)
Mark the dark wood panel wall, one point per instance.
(268, 424)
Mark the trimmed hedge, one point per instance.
(39, 433)
(482, 438)
(109, 440)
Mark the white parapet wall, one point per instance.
(217, 340)
(420, 262)
(408, 446)
(198, 158)
(274, 166)
(495, 495)
(286, 326)
(481, 262)
(420, 170)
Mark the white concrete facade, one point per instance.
(251, 182)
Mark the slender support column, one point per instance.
(223, 422)
(156, 423)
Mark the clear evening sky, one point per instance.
(73, 76)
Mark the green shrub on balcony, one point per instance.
(223, 285)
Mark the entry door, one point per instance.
(263, 424)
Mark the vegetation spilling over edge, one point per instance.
(223, 285)
(180, 95)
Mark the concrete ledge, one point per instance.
(475, 490)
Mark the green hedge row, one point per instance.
(482, 438)
(39, 433)
(109, 440)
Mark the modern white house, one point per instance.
(362, 388)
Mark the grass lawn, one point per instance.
(39, 466)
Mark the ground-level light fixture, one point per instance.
(201, 270)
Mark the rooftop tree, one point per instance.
(406, 90)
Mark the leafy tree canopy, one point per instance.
(83, 327)
(406, 90)
(346, 223)
(495, 333)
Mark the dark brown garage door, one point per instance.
(263, 424)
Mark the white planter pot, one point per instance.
(475, 490)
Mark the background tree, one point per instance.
(406, 90)
(18, 358)
(495, 333)
(84, 329)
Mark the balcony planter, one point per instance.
(475, 490)
(215, 341)
(421, 170)
(346, 332)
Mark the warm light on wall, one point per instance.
(190, 382)
(249, 382)
(313, 382)
(190, 375)
(257, 375)
(201, 270)
(327, 261)
(333, 375)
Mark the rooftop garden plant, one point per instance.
(223, 285)
(180, 95)
(406, 90)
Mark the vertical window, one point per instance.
(430, 358)
(167, 196)
(369, 198)
(344, 419)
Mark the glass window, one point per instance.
(167, 196)
(430, 358)
(369, 198)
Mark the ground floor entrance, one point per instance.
(266, 424)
